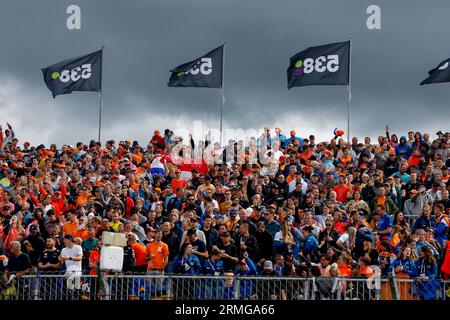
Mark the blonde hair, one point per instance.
(334, 270)
(287, 235)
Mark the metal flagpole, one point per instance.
(222, 93)
(349, 89)
(100, 94)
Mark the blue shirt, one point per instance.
(189, 265)
(213, 268)
(311, 244)
(384, 223)
(404, 176)
(408, 266)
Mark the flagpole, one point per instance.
(222, 95)
(100, 94)
(349, 90)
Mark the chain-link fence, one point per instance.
(176, 287)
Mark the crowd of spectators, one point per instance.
(277, 206)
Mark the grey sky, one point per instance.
(144, 39)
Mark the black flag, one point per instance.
(322, 65)
(205, 71)
(77, 74)
(439, 74)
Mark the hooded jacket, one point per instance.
(421, 145)
(403, 148)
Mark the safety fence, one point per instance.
(179, 287)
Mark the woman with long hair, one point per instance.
(343, 263)
(15, 231)
(404, 268)
(284, 239)
(426, 285)
(360, 204)
(399, 220)
(385, 260)
(186, 263)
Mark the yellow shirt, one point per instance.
(115, 225)
(5, 182)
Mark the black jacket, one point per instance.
(265, 244)
(333, 234)
(252, 246)
(173, 243)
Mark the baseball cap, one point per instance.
(34, 228)
(268, 265)
(68, 237)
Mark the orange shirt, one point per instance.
(231, 222)
(395, 240)
(141, 253)
(381, 201)
(82, 233)
(345, 159)
(82, 200)
(367, 271)
(71, 228)
(137, 157)
(160, 251)
(341, 192)
(344, 270)
(178, 183)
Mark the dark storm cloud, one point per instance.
(145, 39)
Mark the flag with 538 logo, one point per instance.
(205, 71)
(322, 65)
(83, 73)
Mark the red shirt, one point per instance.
(178, 183)
(94, 257)
(341, 192)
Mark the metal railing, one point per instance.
(180, 287)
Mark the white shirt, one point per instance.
(345, 239)
(72, 266)
(278, 236)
